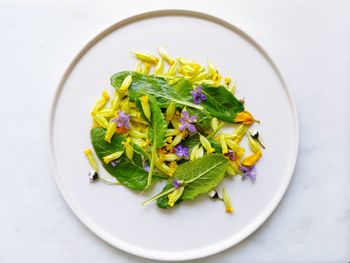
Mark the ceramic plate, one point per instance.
(194, 229)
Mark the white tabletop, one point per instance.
(308, 40)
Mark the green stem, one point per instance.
(108, 182)
(151, 166)
(158, 196)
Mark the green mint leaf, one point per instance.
(153, 86)
(130, 174)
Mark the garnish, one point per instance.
(198, 96)
(165, 121)
(187, 122)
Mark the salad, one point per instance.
(164, 124)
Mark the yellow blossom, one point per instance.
(165, 55)
(227, 201)
(175, 195)
(101, 102)
(146, 57)
(91, 159)
(206, 144)
(244, 117)
(145, 107)
(110, 131)
(112, 156)
(126, 84)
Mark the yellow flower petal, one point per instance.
(244, 117)
(173, 68)
(126, 84)
(91, 159)
(227, 201)
(110, 131)
(145, 107)
(170, 111)
(206, 144)
(223, 144)
(146, 57)
(159, 67)
(165, 55)
(175, 195)
(251, 159)
(101, 121)
(113, 156)
(101, 102)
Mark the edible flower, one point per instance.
(170, 111)
(100, 120)
(227, 201)
(206, 144)
(181, 151)
(176, 183)
(126, 84)
(175, 195)
(112, 156)
(244, 117)
(146, 57)
(146, 167)
(198, 96)
(173, 68)
(230, 154)
(128, 148)
(114, 163)
(248, 172)
(164, 54)
(101, 102)
(122, 122)
(110, 131)
(145, 107)
(186, 122)
(251, 159)
(91, 159)
(223, 144)
(159, 67)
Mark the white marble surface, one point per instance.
(308, 40)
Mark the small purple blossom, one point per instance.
(176, 183)
(146, 167)
(181, 151)
(114, 163)
(248, 172)
(230, 154)
(198, 96)
(123, 120)
(186, 122)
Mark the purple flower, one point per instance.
(123, 120)
(176, 183)
(197, 95)
(230, 154)
(114, 163)
(181, 151)
(248, 172)
(146, 167)
(186, 122)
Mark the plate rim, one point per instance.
(154, 254)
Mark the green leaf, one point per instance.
(199, 177)
(157, 132)
(151, 85)
(130, 174)
(221, 103)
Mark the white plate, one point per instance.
(194, 229)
